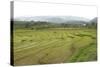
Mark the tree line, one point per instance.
(45, 24)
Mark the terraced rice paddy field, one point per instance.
(49, 46)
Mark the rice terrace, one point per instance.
(47, 42)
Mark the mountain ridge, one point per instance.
(56, 19)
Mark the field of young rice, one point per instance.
(54, 46)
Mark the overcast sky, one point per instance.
(27, 9)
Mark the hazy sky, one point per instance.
(27, 9)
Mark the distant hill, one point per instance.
(94, 20)
(54, 22)
(55, 19)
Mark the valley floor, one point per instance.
(54, 46)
